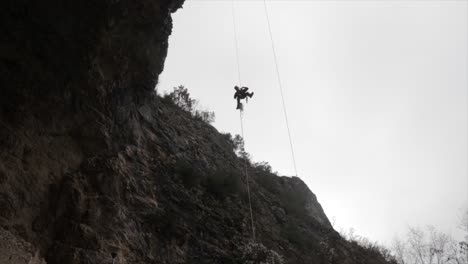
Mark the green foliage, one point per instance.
(239, 147)
(224, 183)
(167, 99)
(181, 98)
(263, 166)
(227, 137)
(205, 116)
(256, 253)
(236, 143)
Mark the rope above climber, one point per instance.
(241, 93)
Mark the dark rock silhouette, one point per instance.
(89, 154)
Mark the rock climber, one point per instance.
(241, 93)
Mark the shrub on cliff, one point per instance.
(264, 167)
(205, 116)
(181, 98)
(256, 253)
(237, 145)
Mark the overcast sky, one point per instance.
(376, 93)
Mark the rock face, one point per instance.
(93, 162)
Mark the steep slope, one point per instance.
(93, 162)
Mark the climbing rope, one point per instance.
(247, 179)
(280, 86)
(236, 42)
(241, 120)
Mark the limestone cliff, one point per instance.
(93, 162)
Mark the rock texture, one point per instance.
(93, 162)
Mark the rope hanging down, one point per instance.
(241, 120)
(248, 180)
(280, 86)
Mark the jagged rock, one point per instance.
(14, 250)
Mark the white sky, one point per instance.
(376, 94)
